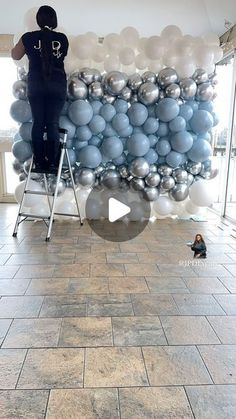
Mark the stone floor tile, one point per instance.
(221, 362)
(228, 303)
(84, 332)
(225, 328)
(107, 269)
(188, 330)
(153, 257)
(231, 268)
(27, 404)
(229, 283)
(20, 307)
(197, 304)
(175, 365)
(154, 403)
(209, 285)
(141, 269)
(213, 402)
(52, 368)
(214, 270)
(105, 247)
(175, 270)
(35, 271)
(4, 326)
(41, 259)
(123, 257)
(64, 306)
(114, 367)
(90, 285)
(33, 333)
(110, 309)
(133, 247)
(48, 286)
(166, 285)
(13, 286)
(83, 404)
(75, 270)
(8, 272)
(154, 304)
(4, 257)
(128, 284)
(137, 331)
(11, 361)
(90, 257)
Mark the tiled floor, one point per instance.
(91, 329)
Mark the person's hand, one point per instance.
(198, 256)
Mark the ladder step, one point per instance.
(25, 214)
(39, 193)
(67, 215)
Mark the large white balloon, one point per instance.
(163, 206)
(30, 200)
(201, 193)
(130, 36)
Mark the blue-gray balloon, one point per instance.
(95, 140)
(121, 106)
(200, 151)
(177, 124)
(201, 121)
(97, 124)
(151, 125)
(174, 159)
(163, 147)
(25, 131)
(22, 150)
(163, 129)
(152, 139)
(83, 133)
(65, 122)
(112, 147)
(167, 109)
(20, 111)
(151, 156)
(107, 111)
(90, 157)
(126, 132)
(137, 114)
(80, 112)
(186, 112)
(96, 106)
(138, 145)
(120, 121)
(181, 141)
(72, 158)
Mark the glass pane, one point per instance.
(220, 133)
(231, 191)
(12, 179)
(8, 75)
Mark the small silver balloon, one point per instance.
(214, 80)
(193, 168)
(134, 98)
(204, 92)
(167, 182)
(173, 91)
(52, 185)
(153, 168)
(22, 73)
(137, 184)
(22, 176)
(180, 175)
(110, 165)
(17, 166)
(108, 99)
(162, 94)
(139, 167)
(164, 170)
(188, 88)
(111, 179)
(126, 94)
(134, 82)
(150, 194)
(149, 76)
(95, 90)
(69, 183)
(77, 89)
(86, 177)
(124, 185)
(115, 81)
(148, 93)
(200, 76)
(96, 75)
(152, 179)
(123, 170)
(87, 75)
(19, 89)
(167, 76)
(190, 179)
(179, 192)
(99, 169)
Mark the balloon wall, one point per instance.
(139, 115)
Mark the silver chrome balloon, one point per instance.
(134, 82)
(148, 93)
(139, 167)
(204, 92)
(190, 179)
(88, 75)
(95, 90)
(164, 170)
(152, 179)
(22, 176)
(115, 81)
(173, 91)
(123, 170)
(111, 179)
(149, 76)
(134, 98)
(86, 177)
(110, 165)
(77, 89)
(167, 76)
(137, 184)
(124, 185)
(108, 99)
(126, 93)
(153, 168)
(200, 76)
(193, 168)
(180, 175)
(17, 166)
(19, 89)
(188, 88)
(96, 74)
(150, 194)
(179, 192)
(21, 73)
(52, 185)
(162, 94)
(167, 182)
(99, 169)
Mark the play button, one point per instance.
(116, 210)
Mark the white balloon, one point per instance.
(211, 38)
(163, 206)
(201, 193)
(191, 208)
(82, 196)
(142, 43)
(170, 58)
(130, 36)
(218, 53)
(185, 68)
(113, 42)
(71, 63)
(129, 69)
(171, 32)
(126, 56)
(155, 66)
(203, 55)
(141, 61)
(29, 200)
(99, 53)
(81, 47)
(154, 48)
(66, 207)
(112, 63)
(93, 37)
(30, 19)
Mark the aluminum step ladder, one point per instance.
(22, 216)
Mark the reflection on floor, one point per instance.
(92, 329)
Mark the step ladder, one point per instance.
(22, 216)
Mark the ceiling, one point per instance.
(148, 16)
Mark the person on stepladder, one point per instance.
(199, 247)
(46, 50)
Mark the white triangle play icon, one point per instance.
(116, 210)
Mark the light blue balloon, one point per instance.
(163, 147)
(152, 111)
(216, 118)
(22, 150)
(83, 133)
(17, 137)
(181, 141)
(20, 111)
(121, 106)
(206, 136)
(109, 130)
(112, 147)
(80, 112)
(201, 121)
(25, 131)
(163, 129)
(151, 156)
(186, 112)
(126, 132)
(177, 124)
(65, 107)
(107, 111)
(79, 144)
(97, 124)
(138, 145)
(120, 160)
(137, 114)
(138, 130)
(95, 140)
(174, 159)
(167, 109)
(193, 104)
(206, 106)
(152, 139)
(200, 151)
(151, 125)
(72, 158)
(129, 158)
(90, 157)
(65, 122)
(120, 121)
(161, 160)
(96, 106)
